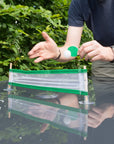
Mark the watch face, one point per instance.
(113, 52)
(47, 96)
(112, 47)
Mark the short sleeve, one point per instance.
(75, 16)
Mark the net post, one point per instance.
(86, 97)
(9, 86)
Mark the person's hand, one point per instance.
(44, 50)
(43, 112)
(98, 114)
(44, 127)
(94, 51)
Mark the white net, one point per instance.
(49, 79)
(31, 90)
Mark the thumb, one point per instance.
(46, 36)
(44, 127)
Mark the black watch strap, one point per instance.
(112, 47)
(58, 55)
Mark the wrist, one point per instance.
(58, 56)
(111, 110)
(57, 101)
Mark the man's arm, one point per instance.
(73, 39)
(49, 50)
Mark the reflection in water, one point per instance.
(70, 119)
(104, 90)
(100, 117)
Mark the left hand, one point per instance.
(94, 51)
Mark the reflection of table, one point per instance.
(21, 130)
(68, 118)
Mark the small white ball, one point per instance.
(67, 120)
(67, 53)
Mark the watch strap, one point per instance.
(58, 55)
(112, 47)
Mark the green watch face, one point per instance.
(73, 50)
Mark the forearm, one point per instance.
(112, 111)
(73, 39)
(48, 49)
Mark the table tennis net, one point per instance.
(67, 80)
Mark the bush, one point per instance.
(21, 26)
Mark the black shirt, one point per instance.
(99, 17)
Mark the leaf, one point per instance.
(1, 70)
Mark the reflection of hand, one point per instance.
(43, 112)
(94, 51)
(44, 50)
(69, 100)
(98, 114)
(44, 127)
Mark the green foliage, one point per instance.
(21, 24)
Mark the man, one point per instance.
(98, 15)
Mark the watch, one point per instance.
(112, 47)
(58, 55)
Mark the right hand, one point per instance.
(44, 50)
(98, 114)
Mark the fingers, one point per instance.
(87, 44)
(94, 123)
(86, 48)
(44, 50)
(39, 59)
(91, 55)
(97, 110)
(87, 51)
(35, 49)
(90, 50)
(39, 56)
(44, 128)
(40, 45)
(94, 120)
(95, 117)
(46, 36)
(34, 55)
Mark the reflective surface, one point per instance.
(28, 116)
